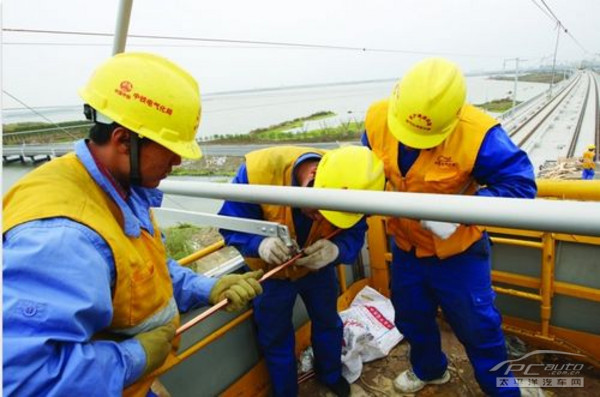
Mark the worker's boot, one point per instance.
(341, 388)
(408, 382)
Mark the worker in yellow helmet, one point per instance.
(588, 164)
(432, 141)
(91, 301)
(313, 276)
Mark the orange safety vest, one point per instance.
(444, 169)
(274, 166)
(143, 287)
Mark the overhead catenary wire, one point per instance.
(550, 11)
(249, 42)
(71, 44)
(552, 15)
(38, 113)
(543, 10)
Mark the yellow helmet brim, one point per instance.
(343, 220)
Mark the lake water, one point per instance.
(13, 172)
(239, 113)
(242, 112)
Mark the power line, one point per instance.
(552, 13)
(577, 42)
(38, 113)
(72, 44)
(238, 41)
(558, 22)
(543, 10)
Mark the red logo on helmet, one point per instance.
(126, 86)
(419, 121)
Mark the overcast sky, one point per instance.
(477, 34)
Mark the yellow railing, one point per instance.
(380, 257)
(546, 285)
(199, 345)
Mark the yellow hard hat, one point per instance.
(151, 96)
(592, 147)
(424, 106)
(349, 167)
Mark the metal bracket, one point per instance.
(245, 225)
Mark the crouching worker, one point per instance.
(313, 277)
(91, 301)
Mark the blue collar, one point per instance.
(136, 210)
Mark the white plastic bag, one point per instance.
(369, 331)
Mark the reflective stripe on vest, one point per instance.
(143, 291)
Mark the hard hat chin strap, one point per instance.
(134, 159)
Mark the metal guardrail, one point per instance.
(514, 111)
(545, 215)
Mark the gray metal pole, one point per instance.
(516, 80)
(122, 26)
(546, 215)
(558, 26)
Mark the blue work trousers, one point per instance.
(587, 174)
(273, 310)
(461, 286)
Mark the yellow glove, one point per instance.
(157, 345)
(238, 288)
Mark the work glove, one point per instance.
(273, 251)
(443, 230)
(239, 289)
(157, 345)
(319, 254)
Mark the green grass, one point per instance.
(182, 171)
(497, 105)
(290, 124)
(178, 240)
(346, 131)
(534, 78)
(28, 126)
(18, 133)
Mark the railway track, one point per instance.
(561, 126)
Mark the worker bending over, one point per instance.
(312, 277)
(432, 141)
(91, 301)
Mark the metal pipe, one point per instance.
(558, 27)
(122, 26)
(547, 276)
(517, 293)
(514, 241)
(545, 215)
(516, 81)
(224, 302)
(201, 253)
(569, 189)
